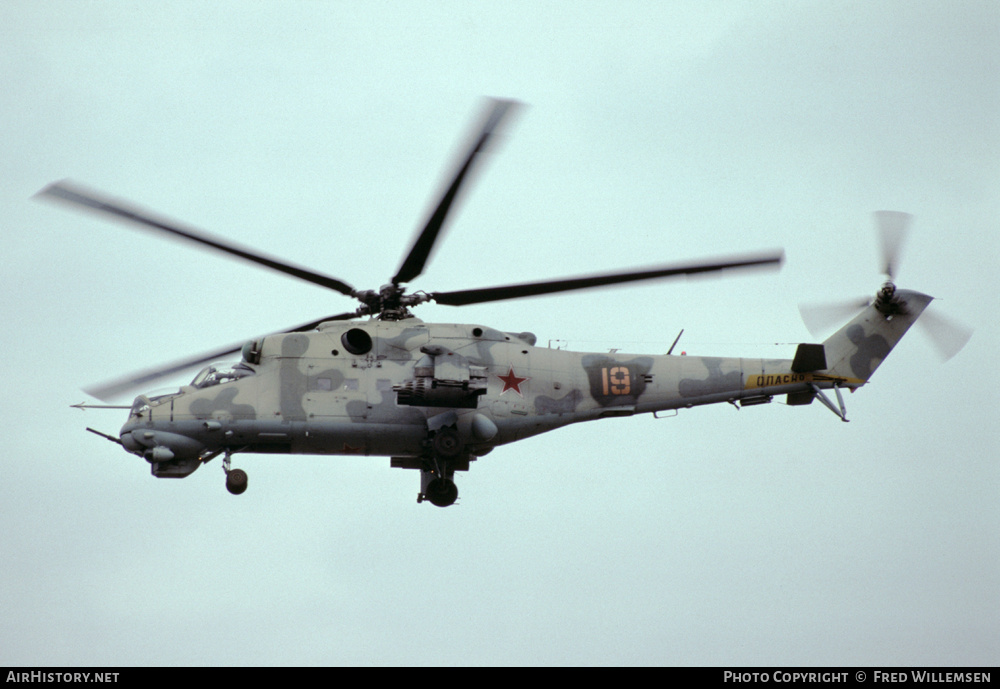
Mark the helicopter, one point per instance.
(434, 397)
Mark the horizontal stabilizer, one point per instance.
(796, 399)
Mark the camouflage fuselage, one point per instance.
(307, 393)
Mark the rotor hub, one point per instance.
(887, 302)
(390, 303)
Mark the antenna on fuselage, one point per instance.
(676, 340)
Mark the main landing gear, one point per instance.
(440, 491)
(236, 479)
(437, 483)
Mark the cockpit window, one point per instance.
(217, 374)
(139, 406)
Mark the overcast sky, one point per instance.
(654, 132)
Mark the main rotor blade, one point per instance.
(531, 289)
(112, 389)
(414, 262)
(64, 191)
(893, 227)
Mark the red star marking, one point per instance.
(512, 382)
(348, 449)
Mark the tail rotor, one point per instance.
(947, 336)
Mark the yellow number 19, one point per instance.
(616, 380)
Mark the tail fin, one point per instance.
(857, 349)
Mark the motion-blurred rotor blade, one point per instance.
(947, 336)
(129, 383)
(112, 389)
(311, 325)
(422, 247)
(531, 289)
(893, 227)
(64, 191)
(821, 318)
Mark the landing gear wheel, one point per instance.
(442, 492)
(236, 481)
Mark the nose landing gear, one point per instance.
(236, 479)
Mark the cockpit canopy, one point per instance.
(217, 374)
